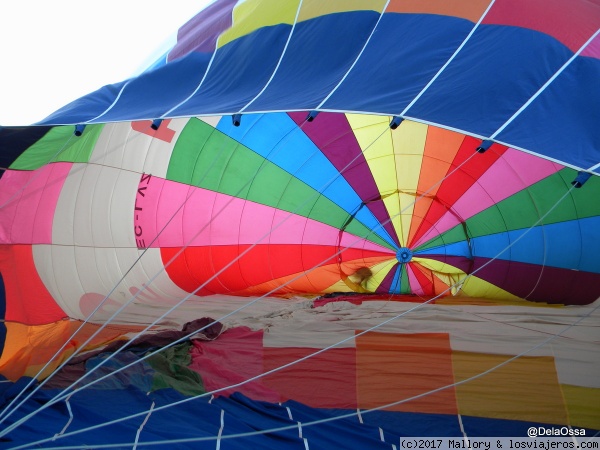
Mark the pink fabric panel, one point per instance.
(593, 48)
(32, 197)
(415, 286)
(513, 172)
(212, 360)
(224, 220)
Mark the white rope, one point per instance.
(139, 431)
(221, 430)
(70, 418)
(462, 430)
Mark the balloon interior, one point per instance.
(313, 225)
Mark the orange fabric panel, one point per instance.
(391, 367)
(318, 280)
(28, 348)
(467, 9)
(27, 299)
(524, 389)
(441, 146)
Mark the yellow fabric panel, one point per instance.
(583, 405)
(367, 129)
(471, 286)
(524, 389)
(315, 8)
(250, 15)
(379, 271)
(409, 144)
(375, 139)
(477, 287)
(400, 206)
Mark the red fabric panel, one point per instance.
(572, 22)
(214, 361)
(261, 264)
(27, 299)
(327, 380)
(460, 181)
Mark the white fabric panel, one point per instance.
(95, 208)
(77, 275)
(213, 121)
(119, 145)
(63, 224)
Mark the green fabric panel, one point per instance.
(71, 147)
(404, 284)
(207, 158)
(455, 234)
(171, 366)
(523, 209)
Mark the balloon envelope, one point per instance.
(294, 203)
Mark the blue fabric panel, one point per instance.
(564, 245)
(239, 72)
(319, 54)
(489, 80)
(146, 97)
(456, 249)
(479, 90)
(396, 282)
(563, 120)
(340, 434)
(276, 136)
(483, 427)
(414, 424)
(403, 55)
(198, 418)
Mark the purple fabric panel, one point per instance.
(541, 284)
(530, 281)
(460, 262)
(333, 135)
(201, 32)
(386, 284)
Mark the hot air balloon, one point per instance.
(315, 226)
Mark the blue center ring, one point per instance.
(404, 255)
